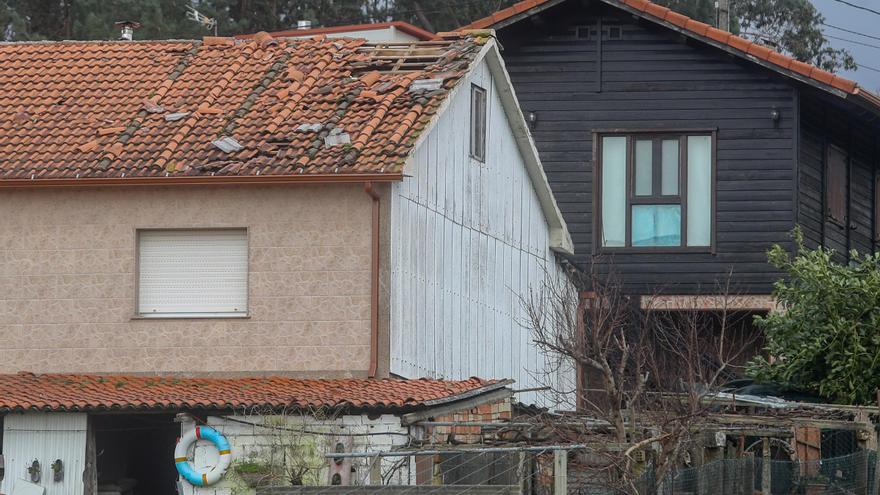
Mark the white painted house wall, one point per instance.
(45, 437)
(468, 240)
(390, 33)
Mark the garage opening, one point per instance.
(134, 453)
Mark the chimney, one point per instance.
(127, 29)
(722, 14)
(303, 24)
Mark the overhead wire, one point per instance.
(860, 7)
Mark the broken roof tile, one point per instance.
(227, 144)
(139, 103)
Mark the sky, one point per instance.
(847, 17)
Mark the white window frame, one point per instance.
(141, 314)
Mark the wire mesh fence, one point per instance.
(848, 474)
(579, 471)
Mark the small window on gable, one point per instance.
(478, 123)
(836, 161)
(583, 32)
(194, 273)
(615, 32)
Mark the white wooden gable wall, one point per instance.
(468, 240)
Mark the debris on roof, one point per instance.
(426, 85)
(274, 93)
(336, 137)
(89, 146)
(151, 106)
(173, 117)
(104, 131)
(370, 78)
(227, 144)
(309, 128)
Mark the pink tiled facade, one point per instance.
(68, 281)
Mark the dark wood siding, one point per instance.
(824, 125)
(652, 79)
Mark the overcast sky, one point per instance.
(843, 16)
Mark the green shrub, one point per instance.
(826, 336)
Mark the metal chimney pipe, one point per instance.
(127, 29)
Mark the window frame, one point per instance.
(844, 182)
(478, 133)
(876, 207)
(138, 315)
(632, 135)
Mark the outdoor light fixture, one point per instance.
(775, 115)
(533, 119)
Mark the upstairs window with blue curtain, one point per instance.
(656, 191)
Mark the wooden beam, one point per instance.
(560, 472)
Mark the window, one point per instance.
(876, 207)
(192, 273)
(615, 32)
(835, 185)
(656, 190)
(478, 122)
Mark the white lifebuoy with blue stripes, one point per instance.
(186, 469)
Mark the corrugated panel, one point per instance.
(192, 272)
(45, 437)
(470, 240)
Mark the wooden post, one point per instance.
(765, 466)
(523, 473)
(560, 472)
(375, 470)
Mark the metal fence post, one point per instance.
(560, 472)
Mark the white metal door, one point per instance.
(45, 437)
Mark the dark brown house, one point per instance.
(680, 153)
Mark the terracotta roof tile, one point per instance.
(697, 28)
(676, 18)
(257, 92)
(61, 392)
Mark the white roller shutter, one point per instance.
(195, 273)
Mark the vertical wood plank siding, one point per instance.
(470, 240)
(651, 79)
(824, 125)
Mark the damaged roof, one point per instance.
(262, 107)
(720, 38)
(68, 392)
